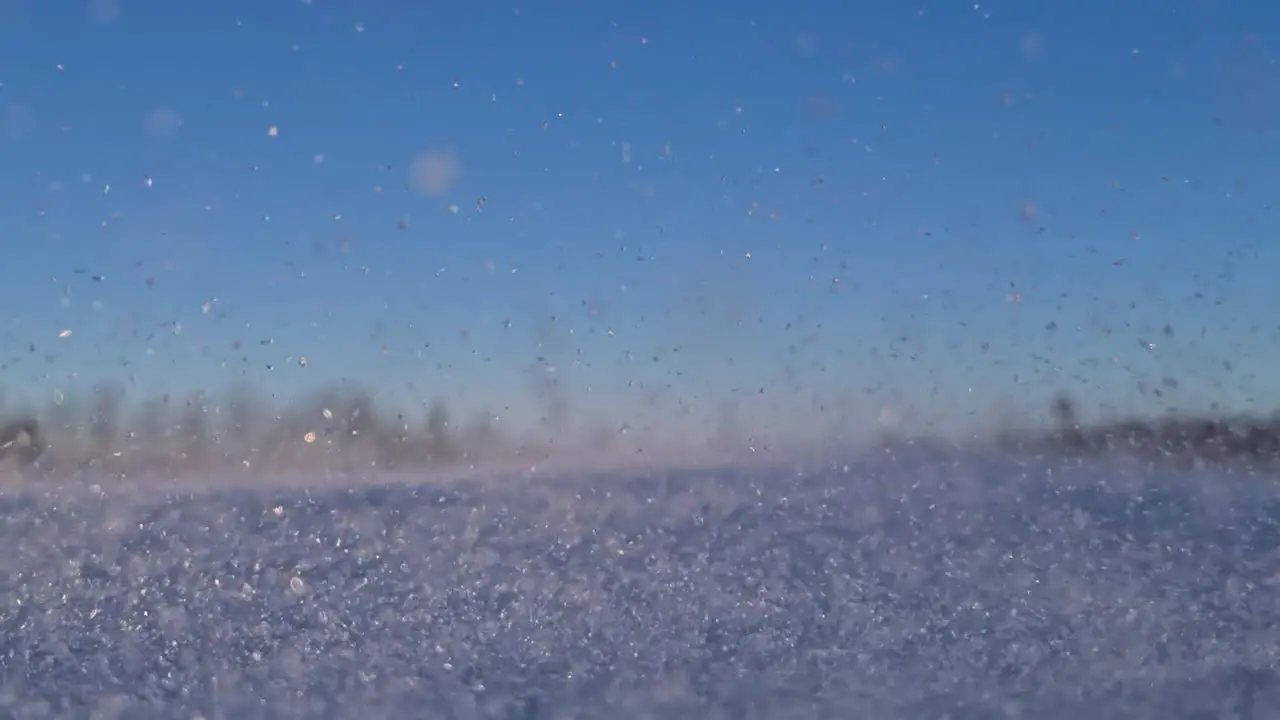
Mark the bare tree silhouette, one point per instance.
(337, 428)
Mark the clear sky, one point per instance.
(783, 217)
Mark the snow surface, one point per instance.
(894, 587)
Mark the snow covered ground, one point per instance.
(915, 585)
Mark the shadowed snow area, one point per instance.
(909, 584)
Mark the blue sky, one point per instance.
(784, 217)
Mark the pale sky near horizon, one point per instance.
(798, 216)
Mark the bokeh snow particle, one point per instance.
(161, 122)
(433, 173)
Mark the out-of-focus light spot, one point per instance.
(105, 11)
(433, 172)
(161, 123)
(19, 120)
